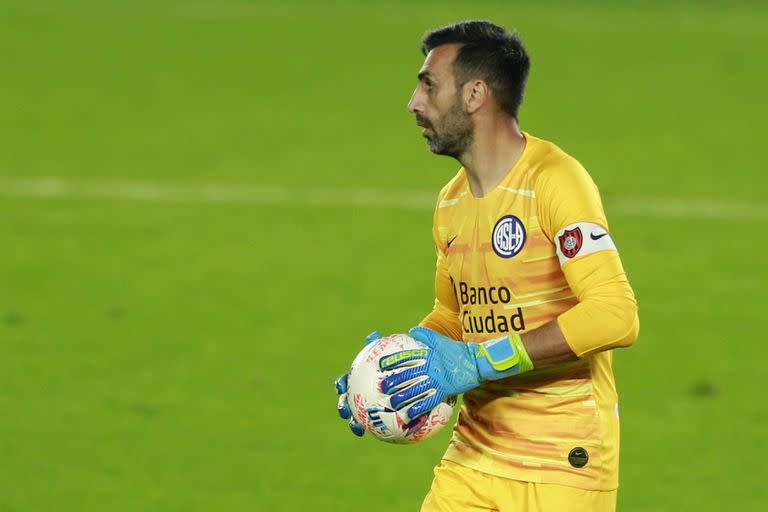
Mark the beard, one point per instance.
(454, 135)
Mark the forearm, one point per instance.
(606, 315)
(616, 325)
(547, 346)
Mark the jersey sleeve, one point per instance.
(444, 317)
(572, 216)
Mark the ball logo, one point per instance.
(508, 236)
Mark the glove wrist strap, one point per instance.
(503, 357)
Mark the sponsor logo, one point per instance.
(508, 236)
(448, 245)
(392, 360)
(598, 236)
(383, 345)
(570, 242)
(487, 321)
(493, 322)
(578, 457)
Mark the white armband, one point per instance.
(580, 239)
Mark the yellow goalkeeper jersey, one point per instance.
(536, 249)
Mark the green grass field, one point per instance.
(191, 252)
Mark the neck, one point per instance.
(497, 146)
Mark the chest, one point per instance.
(499, 243)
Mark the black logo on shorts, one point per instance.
(578, 457)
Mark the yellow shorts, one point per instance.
(458, 488)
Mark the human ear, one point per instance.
(475, 93)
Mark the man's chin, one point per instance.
(441, 149)
(436, 148)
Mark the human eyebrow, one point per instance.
(425, 75)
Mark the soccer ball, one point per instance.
(371, 408)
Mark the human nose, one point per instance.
(415, 104)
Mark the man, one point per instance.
(531, 296)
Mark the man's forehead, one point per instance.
(439, 60)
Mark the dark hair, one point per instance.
(489, 52)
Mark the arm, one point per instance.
(546, 346)
(571, 215)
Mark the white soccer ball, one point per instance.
(372, 408)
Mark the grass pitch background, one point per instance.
(166, 355)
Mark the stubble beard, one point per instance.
(456, 134)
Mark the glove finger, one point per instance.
(341, 383)
(356, 428)
(343, 407)
(407, 396)
(402, 379)
(372, 337)
(425, 335)
(424, 406)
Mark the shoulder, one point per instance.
(453, 190)
(447, 199)
(565, 192)
(550, 165)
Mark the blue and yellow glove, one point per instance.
(341, 388)
(450, 368)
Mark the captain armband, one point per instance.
(580, 239)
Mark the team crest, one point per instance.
(570, 242)
(508, 236)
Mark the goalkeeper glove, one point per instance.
(450, 368)
(341, 388)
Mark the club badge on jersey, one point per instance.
(570, 242)
(508, 236)
(580, 239)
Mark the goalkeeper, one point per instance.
(531, 296)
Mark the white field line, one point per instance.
(150, 191)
